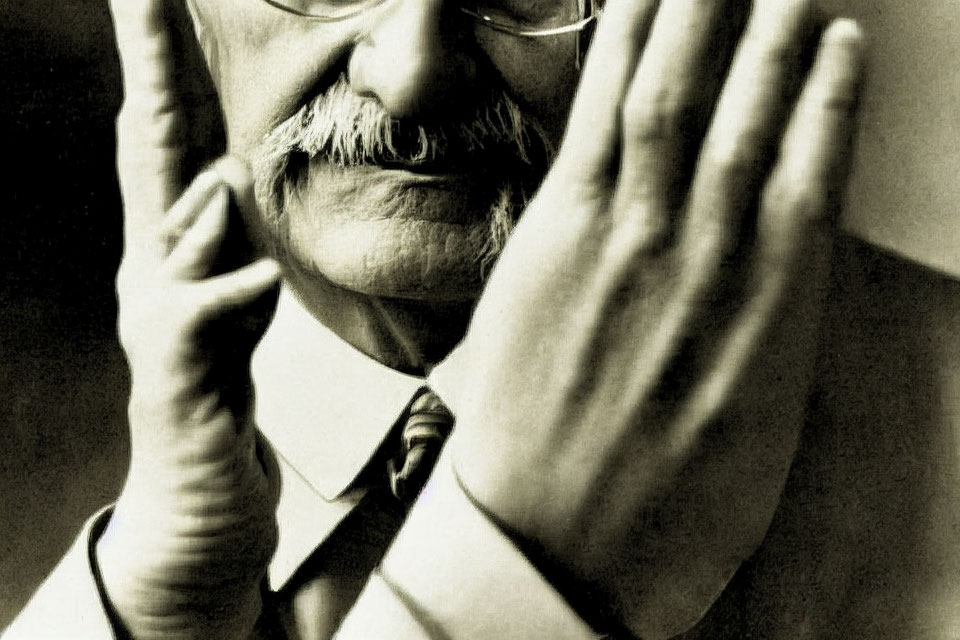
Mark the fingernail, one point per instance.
(846, 31)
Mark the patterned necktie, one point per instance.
(315, 600)
(428, 424)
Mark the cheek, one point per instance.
(266, 64)
(540, 74)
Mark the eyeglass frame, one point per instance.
(589, 12)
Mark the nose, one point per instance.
(413, 60)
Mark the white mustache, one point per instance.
(346, 130)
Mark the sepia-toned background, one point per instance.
(62, 379)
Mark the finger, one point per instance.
(747, 125)
(806, 186)
(803, 198)
(799, 205)
(247, 233)
(160, 59)
(194, 255)
(169, 121)
(231, 291)
(236, 173)
(670, 96)
(185, 211)
(590, 150)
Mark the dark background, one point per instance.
(62, 378)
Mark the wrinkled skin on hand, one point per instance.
(186, 548)
(634, 377)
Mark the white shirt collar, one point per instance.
(325, 408)
(323, 405)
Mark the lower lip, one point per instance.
(415, 177)
(383, 193)
(446, 197)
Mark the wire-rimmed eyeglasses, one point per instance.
(523, 18)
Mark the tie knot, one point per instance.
(427, 426)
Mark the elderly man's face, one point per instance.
(392, 149)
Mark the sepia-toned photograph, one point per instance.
(480, 320)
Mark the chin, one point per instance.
(408, 259)
(397, 234)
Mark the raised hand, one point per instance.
(187, 546)
(635, 375)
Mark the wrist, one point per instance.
(431, 567)
(188, 564)
(153, 594)
(590, 602)
(210, 537)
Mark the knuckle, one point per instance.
(781, 53)
(730, 161)
(656, 118)
(645, 126)
(737, 158)
(125, 332)
(641, 229)
(795, 200)
(150, 121)
(790, 222)
(840, 100)
(123, 281)
(573, 180)
(779, 27)
(131, 322)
